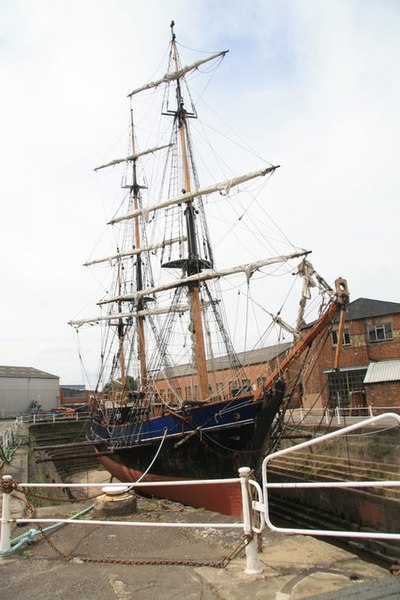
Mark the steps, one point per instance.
(307, 466)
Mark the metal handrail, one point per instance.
(334, 484)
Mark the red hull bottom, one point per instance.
(224, 498)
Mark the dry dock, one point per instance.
(102, 562)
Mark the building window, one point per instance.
(179, 393)
(346, 340)
(261, 381)
(342, 383)
(220, 390)
(378, 333)
(188, 392)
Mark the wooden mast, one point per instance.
(193, 258)
(139, 275)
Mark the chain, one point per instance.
(218, 564)
(31, 494)
(9, 486)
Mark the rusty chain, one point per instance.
(218, 564)
(7, 486)
(11, 486)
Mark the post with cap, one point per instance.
(253, 565)
(5, 533)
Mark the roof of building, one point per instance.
(385, 370)
(221, 363)
(365, 308)
(25, 372)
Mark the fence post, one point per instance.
(253, 565)
(370, 410)
(5, 534)
(337, 411)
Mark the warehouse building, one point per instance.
(25, 388)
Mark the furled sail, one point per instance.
(207, 275)
(135, 251)
(129, 314)
(132, 157)
(174, 75)
(188, 197)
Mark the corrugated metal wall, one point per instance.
(17, 394)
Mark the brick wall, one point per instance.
(358, 353)
(385, 395)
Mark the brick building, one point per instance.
(73, 394)
(369, 368)
(371, 340)
(257, 364)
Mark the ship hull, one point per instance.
(205, 442)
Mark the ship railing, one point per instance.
(337, 415)
(7, 485)
(263, 508)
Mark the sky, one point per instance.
(312, 86)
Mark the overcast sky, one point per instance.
(312, 85)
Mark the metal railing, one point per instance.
(266, 485)
(52, 417)
(338, 415)
(255, 512)
(252, 559)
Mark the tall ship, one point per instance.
(160, 409)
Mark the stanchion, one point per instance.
(5, 534)
(253, 565)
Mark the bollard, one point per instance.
(253, 565)
(5, 534)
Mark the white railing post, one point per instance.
(5, 534)
(337, 411)
(253, 565)
(370, 410)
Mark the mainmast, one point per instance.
(193, 263)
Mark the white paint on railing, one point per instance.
(132, 484)
(253, 565)
(5, 533)
(344, 484)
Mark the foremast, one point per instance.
(140, 305)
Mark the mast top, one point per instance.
(172, 31)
